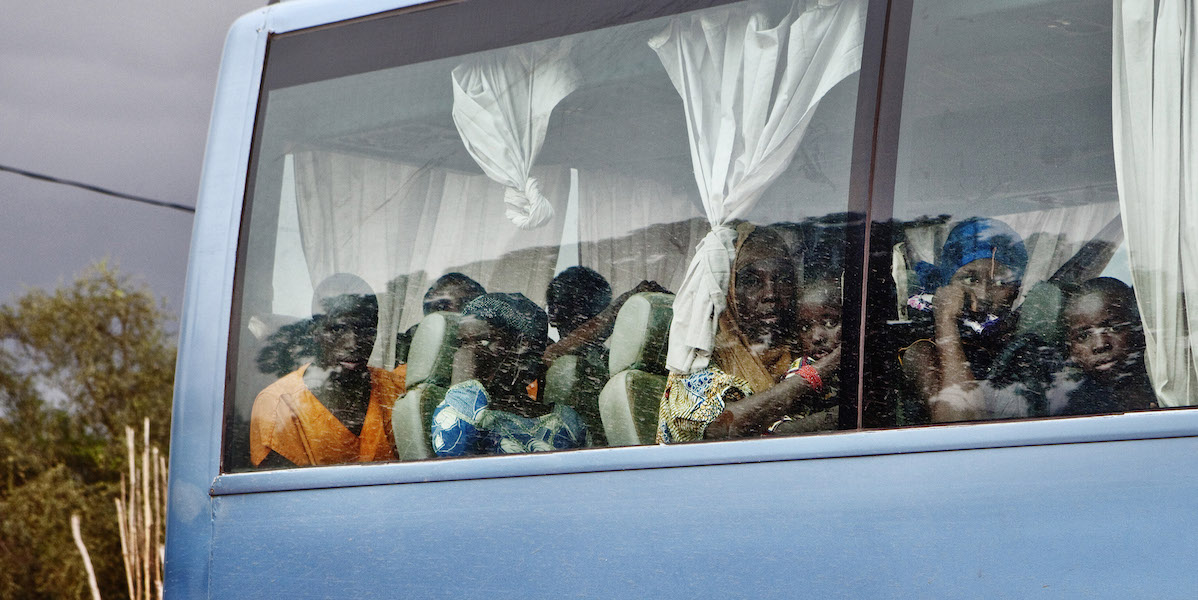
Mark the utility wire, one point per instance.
(98, 189)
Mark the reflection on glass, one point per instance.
(1006, 212)
(335, 408)
(566, 182)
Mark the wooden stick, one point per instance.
(121, 526)
(147, 518)
(155, 502)
(134, 508)
(87, 561)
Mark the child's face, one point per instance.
(819, 322)
(1102, 337)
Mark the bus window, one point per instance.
(465, 245)
(1006, 217)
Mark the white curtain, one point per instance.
(1055, 235)
(400, 226)
(749, 84)
(633, 229)
(1155, 122)
(501, 106)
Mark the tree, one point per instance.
(76, 366)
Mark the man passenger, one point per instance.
(335, 409)
(449, 293)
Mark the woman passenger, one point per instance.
(746, 391)
(501, 339)
(982, 265)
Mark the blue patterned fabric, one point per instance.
(979, 237)
(463, 425)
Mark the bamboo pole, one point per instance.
(132, 516)
(120, 521)
(147, 519)
(87, 561)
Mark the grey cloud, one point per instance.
(114, 94)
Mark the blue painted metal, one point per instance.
(203, 336)
(1108, 520)
(1095, 507)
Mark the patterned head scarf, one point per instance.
(513, 312)
(732, 351)
(979, 237)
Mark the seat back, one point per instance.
(575, 380)
(628, 403)
(430, 365)
(412, 420)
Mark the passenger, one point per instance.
(1100, 369)
(581, 309)
(1106, 349)
(981, 266)
(575, 296)
(501, 339)
(449, 293)
(746, 389)
(819, 336)
(335, 409)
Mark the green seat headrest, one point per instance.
(641, 334)
(430, 359)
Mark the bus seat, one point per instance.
(561, 378)
(575, 381)
(430, 365)
(628, 403)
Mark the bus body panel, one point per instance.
(1099, 520)
(203, 336)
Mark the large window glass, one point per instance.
(470, 231)
(1029, 280)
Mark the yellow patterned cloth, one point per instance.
(691, 402)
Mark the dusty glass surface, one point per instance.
(1013, 289)
(437, 252)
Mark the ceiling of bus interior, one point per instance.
(1040, 69)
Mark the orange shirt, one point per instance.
(288, 419)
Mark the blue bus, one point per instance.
(684, 298)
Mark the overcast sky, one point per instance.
(118, 95)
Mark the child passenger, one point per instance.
(1106, 349)
(501, 339)
(819, 337)
(1103, 371)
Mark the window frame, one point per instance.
(871, 194)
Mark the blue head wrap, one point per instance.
(980, 237)
(513, 312)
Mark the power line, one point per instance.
(97, 189)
